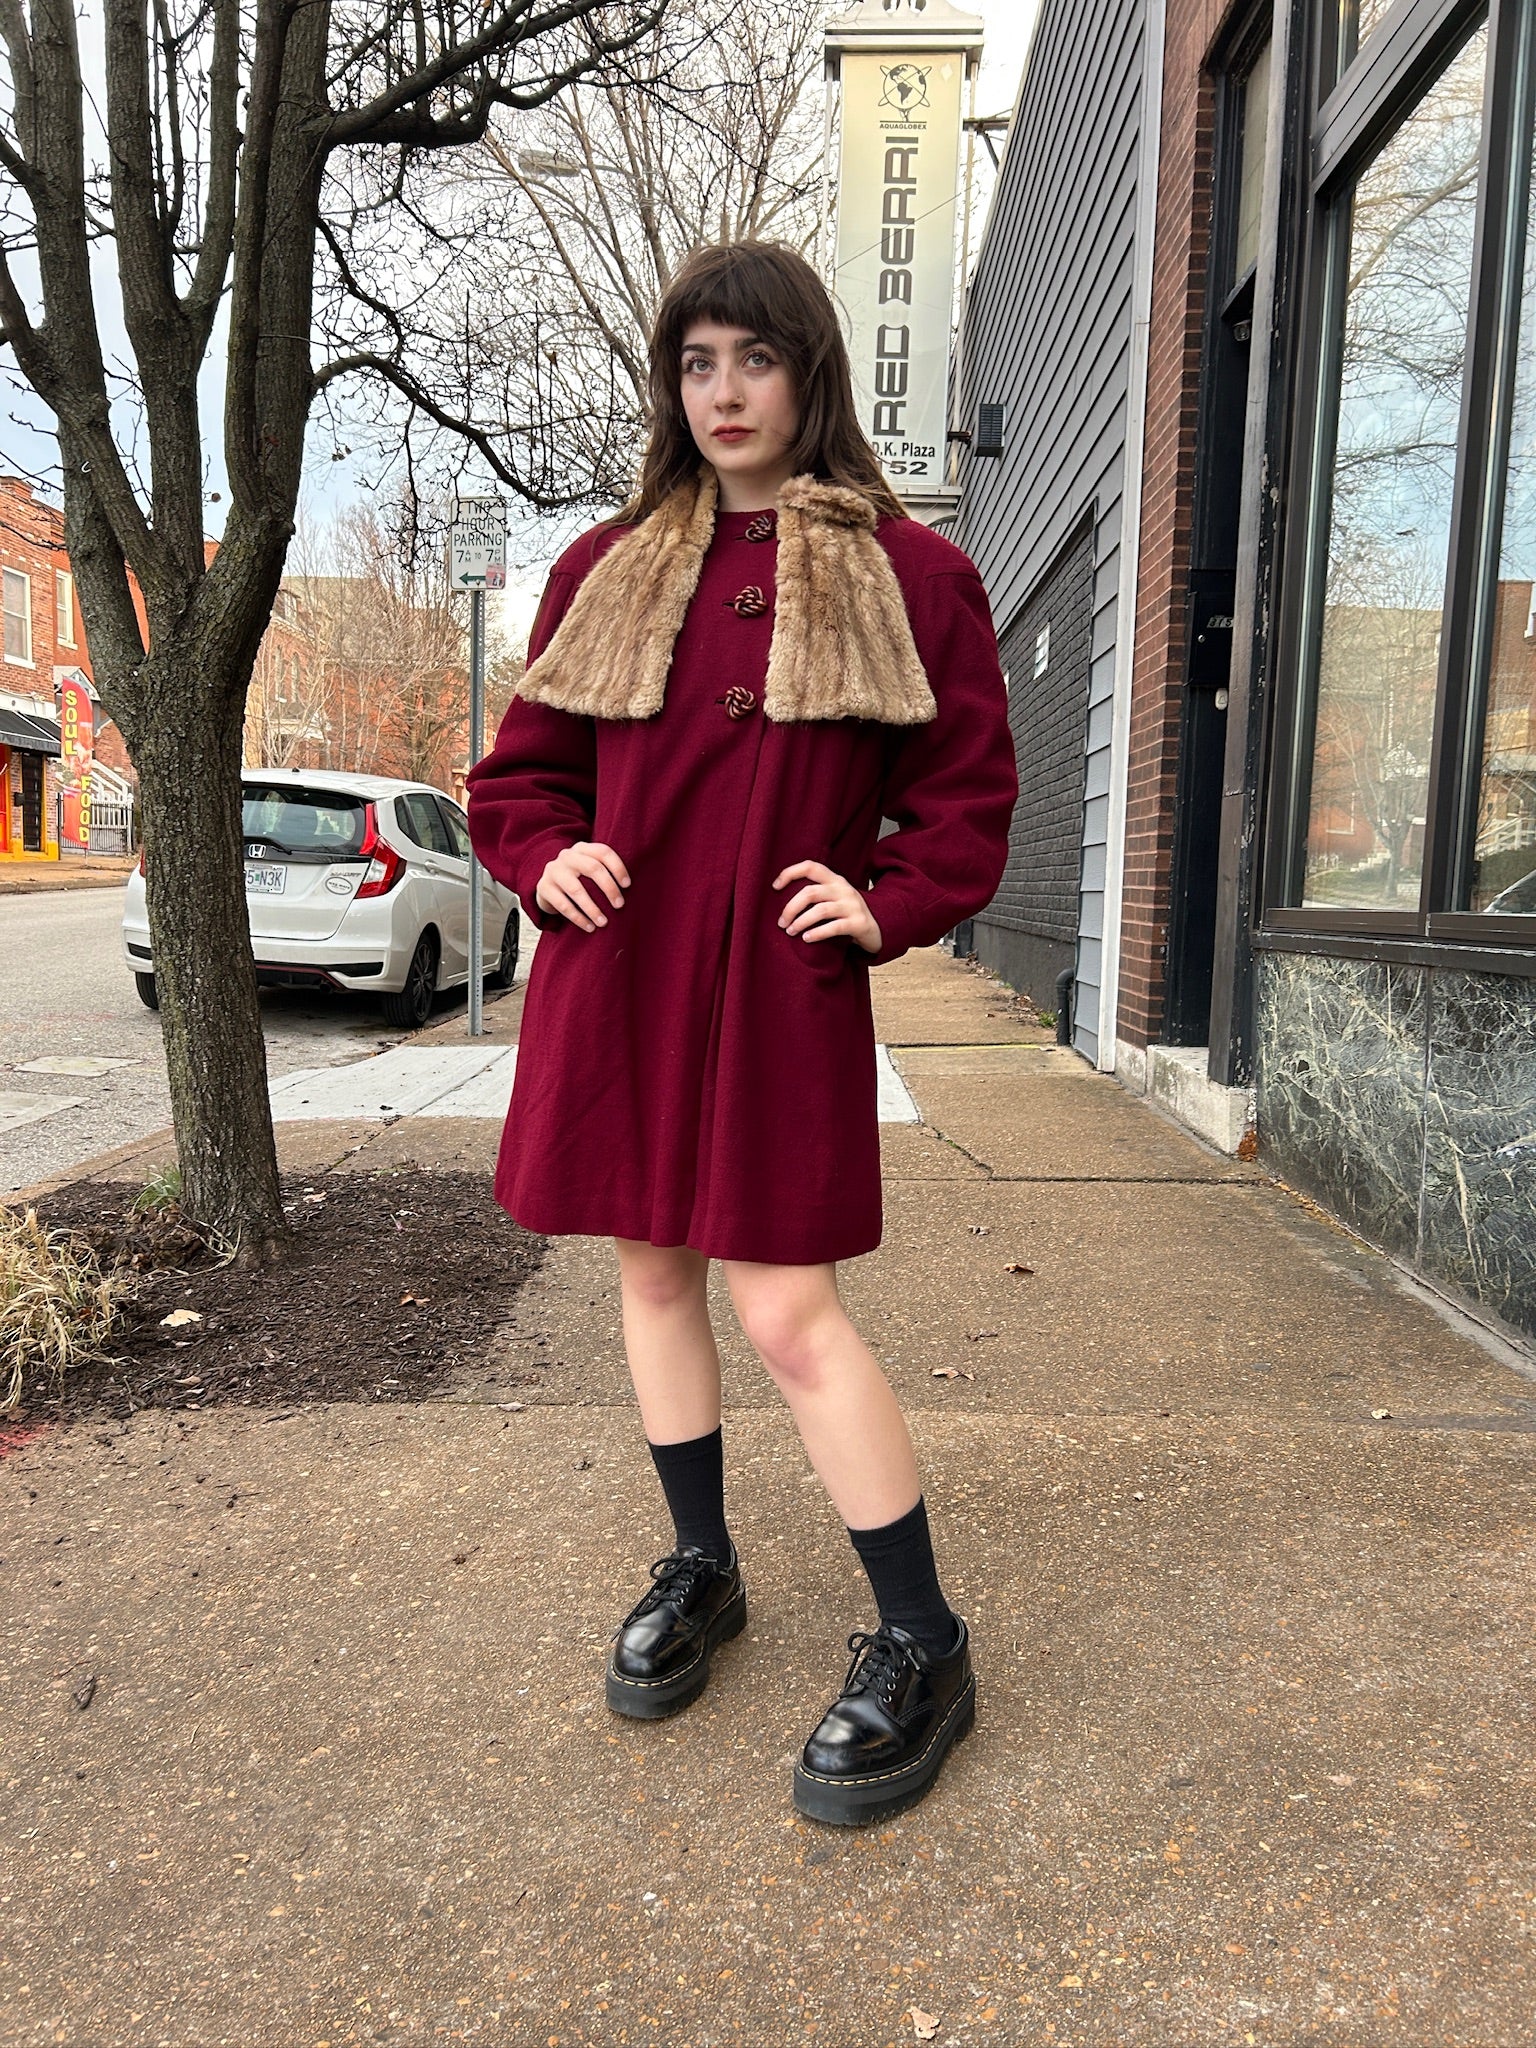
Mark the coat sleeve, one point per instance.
(952, 784)
(535, 792)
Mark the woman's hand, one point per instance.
(827, 908)
(561, 890)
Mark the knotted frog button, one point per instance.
(762, 527)
(749, 603)
(739, 703)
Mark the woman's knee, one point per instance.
(660, 1276)
(788, 1324)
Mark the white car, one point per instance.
(356, 880)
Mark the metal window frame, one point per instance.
(1355, 117)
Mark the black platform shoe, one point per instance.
(661, 1652)
(881, 1743)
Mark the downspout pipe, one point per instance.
(1065, 982)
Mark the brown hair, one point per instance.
(771, 290)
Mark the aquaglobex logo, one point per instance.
(906, 86)
(898, 243)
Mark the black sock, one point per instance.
(692, 1477)
(899, 1561)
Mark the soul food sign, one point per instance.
(896, 213)
(76, 748)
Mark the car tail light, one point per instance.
(385, 867)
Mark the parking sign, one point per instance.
(477, 546)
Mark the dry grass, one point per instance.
(58, 1304)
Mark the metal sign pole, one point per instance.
(477, 562)
(476, 749)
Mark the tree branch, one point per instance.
(398, 116)
(202, 298)
(401, 380)
(18, 48)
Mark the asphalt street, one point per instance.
(68, 996)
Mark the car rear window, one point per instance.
(312, 823)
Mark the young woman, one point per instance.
(728, 687)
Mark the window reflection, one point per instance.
(1358, 22)
(1504, 875)
(1403, 351)
(1250, 187)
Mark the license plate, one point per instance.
(265, 881)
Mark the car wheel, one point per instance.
(504, 973)
(149, 995)
(411, 1008)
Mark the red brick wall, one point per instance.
(1167, 505)
(28, 542)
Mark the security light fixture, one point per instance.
(989, 430)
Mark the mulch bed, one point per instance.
(393, 1280)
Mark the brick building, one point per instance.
(41, 623)
(56, 743)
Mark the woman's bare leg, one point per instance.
(673, 1358)
(848, 1417)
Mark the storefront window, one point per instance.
(1504, 870)
(1406, 292)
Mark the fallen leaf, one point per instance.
(924, 2025)
(1014, 1266)
(951, 1372)
(979, 1229)
(178, 1317)
(85, 1691)
(975, 1336)
(416, 1300)
(1381, 1415)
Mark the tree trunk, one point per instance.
(189, 778)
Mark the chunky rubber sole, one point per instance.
(652, 1699)
(859, 1802)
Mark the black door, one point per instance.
(1213, 570)
(31, 802)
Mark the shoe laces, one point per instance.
(673, 1577)
(879, 1662)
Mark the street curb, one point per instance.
(87, 1169)
(46, 885)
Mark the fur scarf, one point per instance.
(842, 645)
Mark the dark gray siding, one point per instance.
(1048, 336)
(1031, 928)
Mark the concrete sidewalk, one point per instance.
(1243, 1526)
(30, 874)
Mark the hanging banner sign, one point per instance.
(77, 731)
(898, 174)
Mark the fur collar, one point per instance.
(842, 645)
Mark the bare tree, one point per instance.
(219, 146)
(570, 219)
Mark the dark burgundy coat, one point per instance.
(690, 1074)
